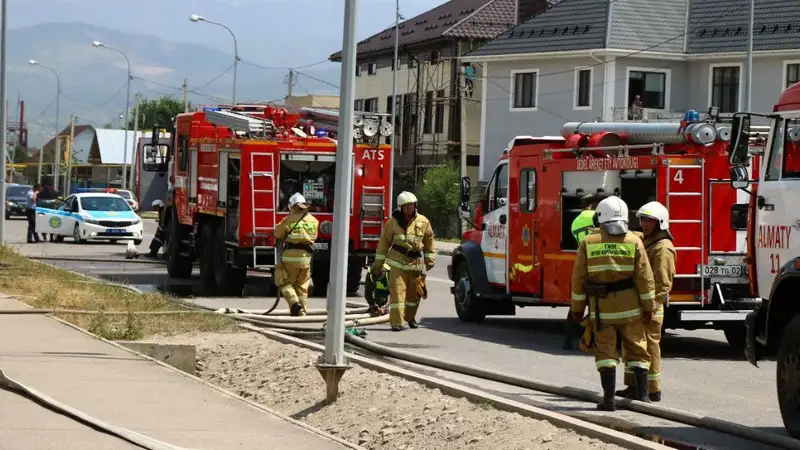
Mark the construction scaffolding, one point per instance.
(16, 140)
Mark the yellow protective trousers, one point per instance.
(295, 287)
(634, 345)
(403, 298)
(653, 333)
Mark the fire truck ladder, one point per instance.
(372, 210)
(253, 126)
(262, 232)
(699, 221)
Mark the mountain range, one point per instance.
(93, 80)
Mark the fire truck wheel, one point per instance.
(230, 280)
(735, 334)
(178, 266)
(207, 279)
(788, 374)
(468, 307)
(353, 279)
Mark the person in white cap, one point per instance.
(612, 273)
(298, 231)
(406, 246)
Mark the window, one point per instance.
(428, 116)
(440, 105)
(527, 190)
(412, 62)
(583, 88)
(524, 89)
(784, 156)
(498, 189)
(792, 73)
(358, 70)
(436, 56)
(184, 153)
(371, 105)
(314, 179)
(725, 88)
(372, 68)
(358, 105)
(650, 87)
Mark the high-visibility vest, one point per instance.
(582, 224)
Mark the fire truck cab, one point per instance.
(234, 170)
(774, 244)
(521, 250)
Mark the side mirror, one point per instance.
(739, 177)
(739, 150)
(466, 187)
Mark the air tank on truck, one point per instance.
(773, 243)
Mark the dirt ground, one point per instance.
(374, 410)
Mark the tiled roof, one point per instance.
(722, 25)
(648, 25)
(424, 27)
(487, 22)
(567, 25)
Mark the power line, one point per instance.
(259, 66)
(214, 79)
(317, 79)
(99, 105)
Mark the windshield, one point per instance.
(17, 191)
(104, 204)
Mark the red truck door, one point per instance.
(524, 252)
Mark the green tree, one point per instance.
(157, 112)
(108, 125)
(439, 195)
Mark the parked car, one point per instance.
(91, 216)
(16, 199)
(127, 195)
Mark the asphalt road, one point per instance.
(700, 372)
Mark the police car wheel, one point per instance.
(76, 235)
(468, 307)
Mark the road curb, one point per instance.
(582, 427)
(207, 384)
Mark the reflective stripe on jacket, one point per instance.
(305, 232)
(603, 258)
(416, 237)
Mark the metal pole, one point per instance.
(463, 141)
(333, 364)
(71, 153)
(127, 109)
(395, 126)
(186, 95)
(749, 84)
(135, 141)
(3, 118)
(57, 154)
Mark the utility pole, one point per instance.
(333, 364)
(291, 85)
(463, 140)
(396, 65)
(749, 85)
(4, 118)
(135, 141)
(68, 177)
(186, 94)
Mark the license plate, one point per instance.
(723, 271)
(321, 246)
(115, 230)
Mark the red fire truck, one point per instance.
(233, 172)
(521, 251)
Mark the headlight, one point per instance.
(136, 222)
(92, 221)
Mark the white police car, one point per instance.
(91, 216)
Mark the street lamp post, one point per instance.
(3, 117)
(196, 18)
(56, 148)
(127, 108)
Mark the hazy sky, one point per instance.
(277, 32)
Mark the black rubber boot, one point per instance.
(655, 396)
(640, 381)
(608, 379)
(413, 324)
(295, 309)
(628, 392)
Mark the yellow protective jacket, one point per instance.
(305, 232)
(603, 258)
(416, 237)
(662, 256)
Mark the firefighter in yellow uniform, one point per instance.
(657, 240)
(613, 275)
(298, 230)
(406, 246)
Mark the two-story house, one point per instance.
(431, 80)
(611, 60)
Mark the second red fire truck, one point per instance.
(521, 251)
(233, 171)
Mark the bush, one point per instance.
(439, 194)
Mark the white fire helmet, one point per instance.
(612, 215)
(157, 204)
(656, 211)
(297, 200)
(405, 198)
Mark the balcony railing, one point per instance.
(634, 114)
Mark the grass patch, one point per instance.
(47, 287)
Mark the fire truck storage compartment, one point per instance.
(228, 192)
(311, 175)
(635, 187)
